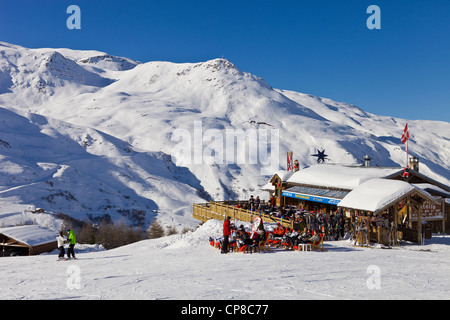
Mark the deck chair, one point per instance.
(263, 244)
(243, 248)
(248, 248)
(274, 241)
(318, 245)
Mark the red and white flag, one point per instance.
(405, 135)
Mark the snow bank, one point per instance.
(191, 239)
(200, 237)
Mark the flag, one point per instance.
(405, 135)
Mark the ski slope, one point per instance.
(186, 267)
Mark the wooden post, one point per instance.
(395, 231)
(282, 200)
(353, 219)
(444, 215)
(409, 214)
(379, 235)
(419, 223)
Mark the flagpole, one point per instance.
(407, 154)
(406, 137)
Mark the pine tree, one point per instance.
(156, 230)
(104, 234)
(87, 233)
(170, 230)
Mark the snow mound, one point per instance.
(200, 237)
(197, 238)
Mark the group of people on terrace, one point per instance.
(239, 239)
(331, 225)
(235, 238)
(307, 227)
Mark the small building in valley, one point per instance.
(26, 240)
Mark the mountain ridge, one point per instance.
(143, 106)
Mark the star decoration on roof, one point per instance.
(321, 156)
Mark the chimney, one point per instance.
(414, 163)
(367, 159)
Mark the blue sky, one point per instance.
(318, 47)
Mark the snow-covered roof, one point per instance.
(268, 187)
(377, 194)
(31, 235)
(432, 187)
(339, 176)
(284, 175)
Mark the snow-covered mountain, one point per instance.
(106, 130)
(79, 171)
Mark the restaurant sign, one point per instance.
(430, 211)
(307, 197)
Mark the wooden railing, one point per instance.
(219, 209)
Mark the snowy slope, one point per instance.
(380, 135)
(46, 163)
(186, 267)
(142, 106)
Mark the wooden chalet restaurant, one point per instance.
(395, 204)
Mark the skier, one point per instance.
(60, 241)
(72, 241)
(226, 234)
